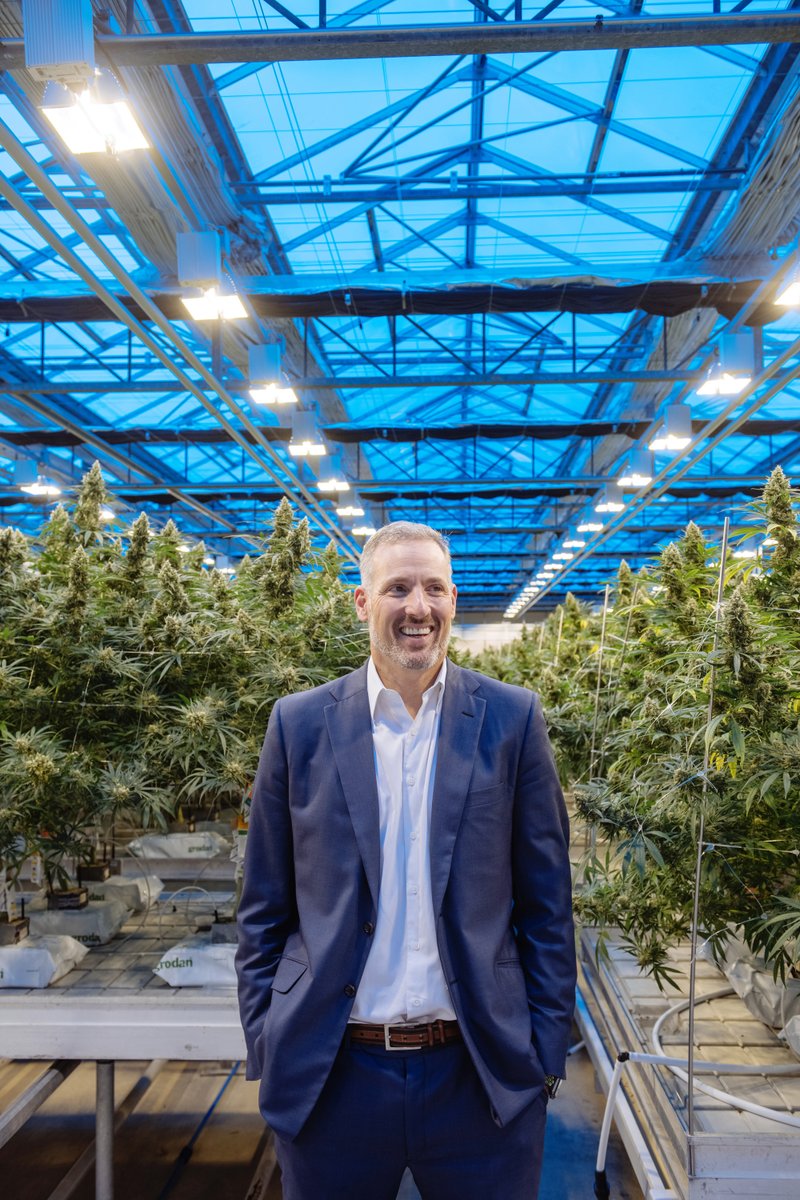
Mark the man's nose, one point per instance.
(417, 602)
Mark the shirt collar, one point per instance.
(376, 687)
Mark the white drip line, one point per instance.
(677, 1067)
(705, 1068)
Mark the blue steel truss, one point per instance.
(593, 165)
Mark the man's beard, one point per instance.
(415, 660)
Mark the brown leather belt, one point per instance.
(405, 1037)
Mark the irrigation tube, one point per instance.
(676, 1066)
(733, 1101)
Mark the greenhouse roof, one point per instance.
(493, 256)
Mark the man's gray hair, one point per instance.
(394, 533)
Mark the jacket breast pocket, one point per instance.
(288, 972)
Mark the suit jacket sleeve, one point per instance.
(267, 909)
(542, 886)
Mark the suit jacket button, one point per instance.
(350, 990)
(368, 927)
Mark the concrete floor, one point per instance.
(225, 1153)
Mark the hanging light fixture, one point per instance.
(31, 479)
(41, 486)
(266, 379)
(676, 432)
(733, 369)
(607, 502)
(200, 268)
(590, 527)
(789, 295)
(305, 441)
(747, 549)
(639, 471)
(96, 119)
(363, 530)
(216, 304)
(273, 395)
(330, 477)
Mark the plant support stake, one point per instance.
(592, 829)
(723, 554)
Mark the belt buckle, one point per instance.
(386, 1035)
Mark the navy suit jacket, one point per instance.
(500, 879)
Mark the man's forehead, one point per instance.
(412, 558)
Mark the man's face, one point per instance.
(410, 606)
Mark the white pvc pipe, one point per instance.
(645, 1168)
(608, 1115)
(733, 1101)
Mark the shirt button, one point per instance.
(414, 836)
(368, 927)
(416, 1002)
(411, 781)
(412, 891)
(350, 990)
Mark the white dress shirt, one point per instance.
(403, 981)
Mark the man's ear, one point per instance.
(362, 603)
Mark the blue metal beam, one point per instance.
(444, 79)
(560, 98)
(365, 9)
(384, 194)
(538, 244)
(420, 237)
(291, 17)
(503, 159)
(370, 122)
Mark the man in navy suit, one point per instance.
(406, 955)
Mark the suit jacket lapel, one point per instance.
(459, 730)
(350, 730)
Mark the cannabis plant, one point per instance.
(697, 714)
(134, 682)
(712, 729)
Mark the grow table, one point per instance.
(734, 1153)
(113, 1008)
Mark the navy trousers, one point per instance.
(382, 1111)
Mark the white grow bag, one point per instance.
(39, 960)
(94, 925)
(206, 844)
(137, 893)
(197, 962)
